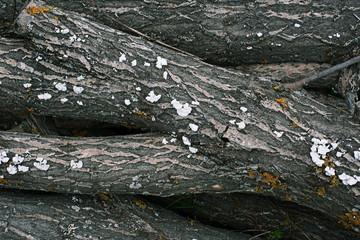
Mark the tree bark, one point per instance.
(252, 136)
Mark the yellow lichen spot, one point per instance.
(176, 181)
(334, 181)
(273, 181)
(276, 88)
(56, 18)
(192, 222)
(350, 219)
(320, 191)
(3, 181)
(32, 110)
(252, 174)
(142, 114)
(288, 197)
(141, 204)
(258, 189)
(36, 10)
(293, 124)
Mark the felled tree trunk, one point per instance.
(206, 129)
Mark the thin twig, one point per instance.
(142, 34)
(324, 73)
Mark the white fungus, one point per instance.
(17, 159)
(357, 155)
(23, 168)
(72, 38)
(27, 85)
(44, 96)
(193, 150)
(195, 103)
(11, 169)
(160, 62)
(146, 64)
(80, 103)
(63, 100)
(193, 127)
(127, 102)
(133, 63)
(186, 141)
(232, 121)
(152, 97)
(81, 77)
(173, 140)
(3, 157)
(259, 34)
(164, 141)
(65, 31)
(138, 89)
(122, 58)
(278, 134)
(74, 164)
(182, 109)
(329, 171)
(165, 74)
(39, 58)
(78, 90)
(248, 47)
(241, 125)
(243, 109)
(41, 164)
(61, 86)
(296, 25)
(347, 179)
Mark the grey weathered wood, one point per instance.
(225, 154)
(31, 215)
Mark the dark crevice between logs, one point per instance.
(254, 215)
(46, 125)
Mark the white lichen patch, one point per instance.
(186, 141)
(79, 78)
(127, 102)
(44, 96)
(357, 155)
(138, 89)
(278, 134)
(75, 165)
(122, 58)
(64, 100)
(80, 103)
(27, 85)
(340, 154)
(182, 109)
(164, 141)
(3, 157)
(11, 169)
(161, 62)
(241, 125)
(78, 90)
(135, 184)
(173, 140)
(193, 127)
(152, 97)
(296, 25)
(61, 86)
(259, 34)
(232, 121)
(195, 103)
(146, 64)
(23, 168)
(17, 159)
(41, 164)
(133, 63)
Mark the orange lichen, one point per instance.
(140, 203)
(176, 181)
(252, 174)
(293, 124)
(36, 10)
(276, 88)
(192, 222)
(56, 18)
(142, 114)
(273, 181)
(350, 219)
(334, 181)
(258, 189)
(320, 191)
(289, 197)
(282, 102)
(3, 181)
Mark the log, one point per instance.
(34, 215)
(252, 136)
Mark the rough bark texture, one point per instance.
(251, 137)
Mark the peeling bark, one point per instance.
(251, 137)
